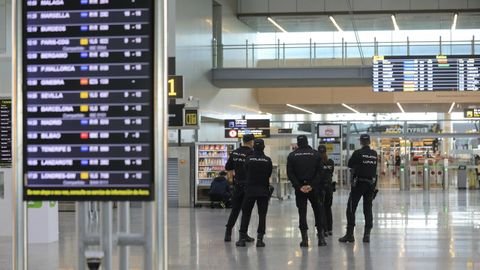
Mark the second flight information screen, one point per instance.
(426, 73)
(88, 99)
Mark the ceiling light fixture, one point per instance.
(300, 109)
(451, 107)
(336, 24)
(400, 107)
(454, 24)
(395, 25)
(350, 108)
(276, 25)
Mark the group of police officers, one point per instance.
(310, 171)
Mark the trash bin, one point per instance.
(462, 177)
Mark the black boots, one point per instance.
(366, 235)
(260, 242)
(228, 235)
(348, 238)
(321, 238)
(304, 242)
(248, 238)
(242, 240)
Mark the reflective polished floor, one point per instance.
(412, 230)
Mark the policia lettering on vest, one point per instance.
(363, 165)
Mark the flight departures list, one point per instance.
(434, 73)
(88, 91)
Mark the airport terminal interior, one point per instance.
(117, 116)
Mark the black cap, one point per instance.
(222, 173)
(365, 138)
(322, 148)
(302, 140)
(258, 145)
(247, 138)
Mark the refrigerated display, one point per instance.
(210, 160)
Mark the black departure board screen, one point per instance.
(88, 99)
(5, 133)
(426, 73)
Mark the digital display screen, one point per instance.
(329, 131)
(5, 133)
(426, 73)
(88, 99)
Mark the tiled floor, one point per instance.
(413, 230)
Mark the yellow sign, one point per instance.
(175, 86)
(191, 117)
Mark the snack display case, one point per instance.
(210, 160)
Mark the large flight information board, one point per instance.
(88, 99)
(426, 73)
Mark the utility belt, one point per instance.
(370, 181)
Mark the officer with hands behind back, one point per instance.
(303, 166)
(259, 170)
(236, 163)
(363, 164)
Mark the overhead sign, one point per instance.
(471, 113)
(247, 123)
(5, 133)
(329, 131)
(175, 115)
(238, 133)
(191, 117)
(175, 86)
(426, 73)
(236, 128)
(88, 100)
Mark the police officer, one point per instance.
(236, 163)
(363, 164)
(303, 167)
(327, 187)
(259, 169)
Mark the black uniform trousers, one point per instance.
(365, 190)
(327, 206)
(301, 201)
(262, 206)
(237, 202)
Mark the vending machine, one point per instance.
(211, 158)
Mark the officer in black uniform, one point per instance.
(327, 186)
(303, 168)
(236, 163)
(363, 164)
(259, 169)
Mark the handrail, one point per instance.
(281, 53)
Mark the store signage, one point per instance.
(175, 115)
(238, 133)
(285, 131)
(426, 73)
(471, 113)
(88, 100)
(329, 131)
(191, 117)
(175, 86)
(5, 133)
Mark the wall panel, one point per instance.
(311, 5)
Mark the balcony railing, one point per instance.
(313, 54)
